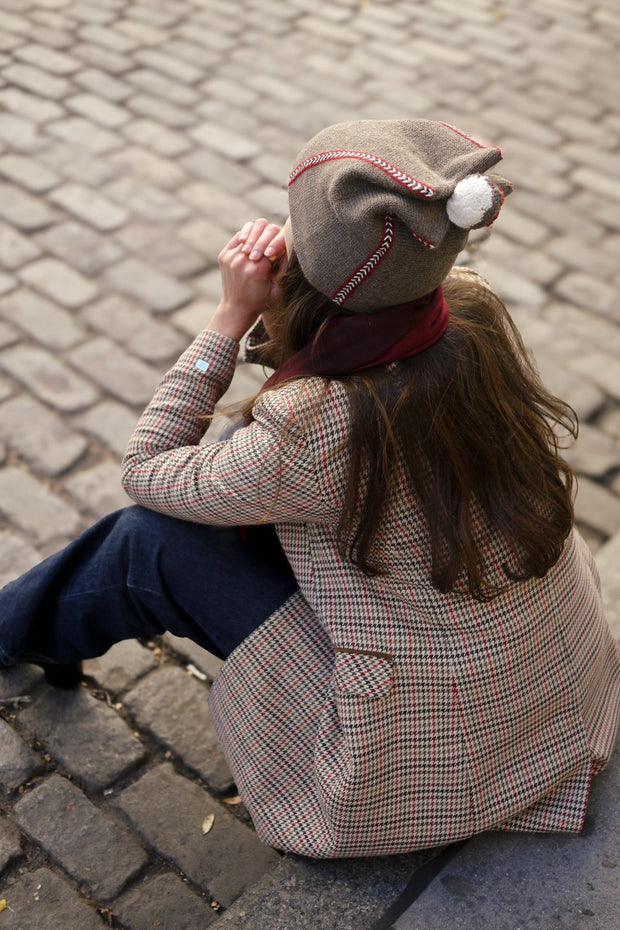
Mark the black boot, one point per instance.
(62, 676)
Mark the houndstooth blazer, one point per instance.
(369, 715)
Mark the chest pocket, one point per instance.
(363, 674)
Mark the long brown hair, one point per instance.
(469, 425)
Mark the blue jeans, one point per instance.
(137, 573)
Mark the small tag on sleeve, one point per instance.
(201, 365)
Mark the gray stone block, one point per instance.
(311, 894)
(48, 378)
(98, 490)
(115, 370)
(121, 665)
(17, 683)
(43, 900)
(27, 504)
(172, 706)
(40, 435)
(608, 561)
(91, 846)
(17, 761)
(16, 557)
(505, 881)
(84, 735)
(144, 282)
(10, 847)
(168, 811)
(205, 661)
(164, 902)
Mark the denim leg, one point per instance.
(137, 573)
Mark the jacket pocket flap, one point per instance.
(368, 676)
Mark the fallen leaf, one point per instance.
(3, 905)
(235, 800)
(207, 823)
(196, 672)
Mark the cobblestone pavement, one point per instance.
(135, 137)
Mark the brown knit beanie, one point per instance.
(380, 209)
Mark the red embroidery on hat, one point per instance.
(464, 135)
(412, 184)
(358, 277)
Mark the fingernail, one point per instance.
(270, 251)
(246, 248)
(255, 255)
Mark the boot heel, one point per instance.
(63, 676)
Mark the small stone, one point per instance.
(56, 813)
(163, 703)
(18, 682)
(110, 422)
(171, 65)
(84, 134)
(151, 167)
(192, 652)
(98, 109)
(80, 246)
(98, 82)
(94, 744)
(110, 366)
(601, 368)
(597, 507)
(168, 811)
(28, 172)
(29, 106)
(108, 38)
(22, 210)
(43, 900)
(164, 901)
(158, 246)
(155, 83)
(131, 325)
(103, 58)
(155, 108)
(48, 59)
(37, 82)
(216, 204)
(121, 666)
(16, 557)
(33, 509)
(17, 761)
(98, 490)
(15, 249)
(205, 236)
(151, 134)
(144, 282)
(90, 206)
(594, 453)
(48, 378)
(59, 281)
(42, 437)
(10, 847)
(147, 201)
(225, 141)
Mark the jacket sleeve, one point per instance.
(264, 473)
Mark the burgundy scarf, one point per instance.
(353, 343)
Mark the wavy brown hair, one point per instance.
(469, 425)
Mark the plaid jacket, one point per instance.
(370, 716)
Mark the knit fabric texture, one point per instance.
(370, 201)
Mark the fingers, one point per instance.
(263, 240)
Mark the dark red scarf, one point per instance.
(353, 343)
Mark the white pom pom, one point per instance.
(470, 202)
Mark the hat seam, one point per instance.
(371, 264)
(401, 177)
